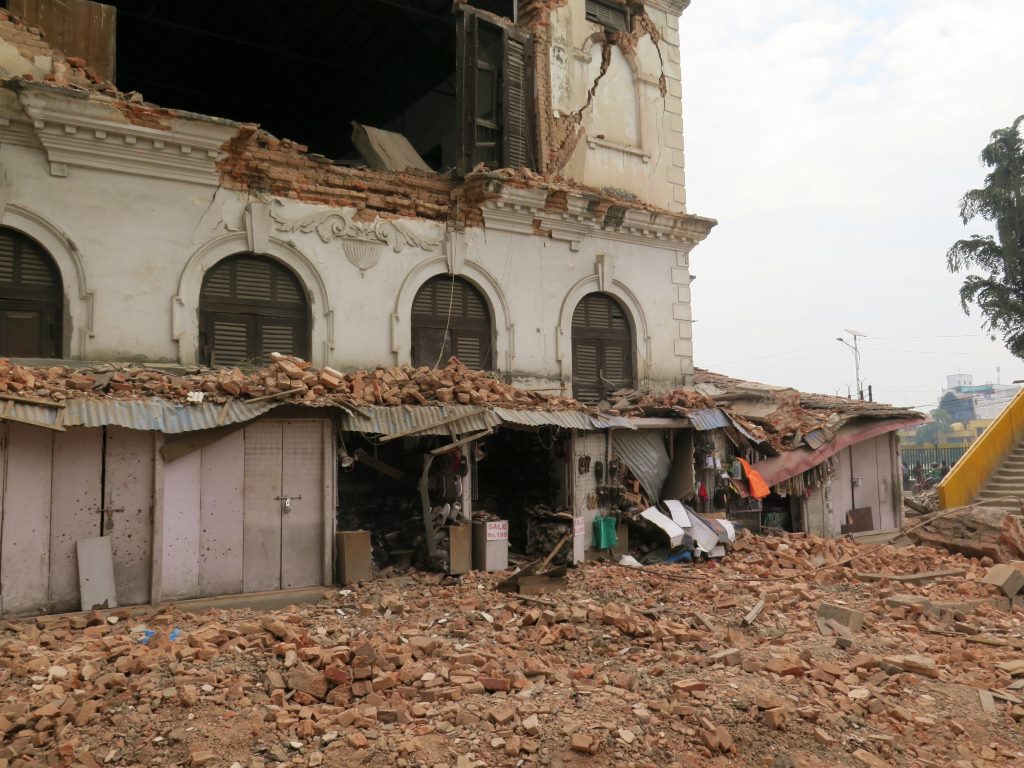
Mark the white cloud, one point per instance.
(832, 139)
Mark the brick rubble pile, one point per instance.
(287, 378)
(858, 656)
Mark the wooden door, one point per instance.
(76, 502)
(261, 525)
(128, 511)
(24, 557)
(283, 543)
(303, 481)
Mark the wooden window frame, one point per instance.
(457, 327)
(47, 301)
(515, 141)
(601, 338)
(255, 313)
(595, 16)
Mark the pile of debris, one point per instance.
(757, 661)
(286, 378)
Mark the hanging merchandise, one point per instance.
(758, 487)
(702, 492)
(605, 536)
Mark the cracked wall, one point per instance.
(609, 103)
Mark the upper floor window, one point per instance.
(451, 317)
(609, 15)
(251, 306)
(495, 93)
(602, 348)
(31, 298)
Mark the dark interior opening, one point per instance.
(303, 71)
(519, 473)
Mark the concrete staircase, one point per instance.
(1007, 480)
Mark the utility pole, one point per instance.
(856, 357)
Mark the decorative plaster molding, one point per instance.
(675, 7)
(515, 209)
(79, 131)
(363, 242)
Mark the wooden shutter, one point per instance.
(31, 298)
(249, 307)
(517, 102)
(450, 316)
(608, 15)
(494, 93)
(602, 344)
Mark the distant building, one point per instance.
(980, 401)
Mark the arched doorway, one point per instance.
(450, 317)
(31, 298)
(602, 348)
(250, 306)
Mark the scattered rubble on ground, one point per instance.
(287, 378)
(860, 655)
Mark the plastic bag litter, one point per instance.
(147, 634)
(631, 561)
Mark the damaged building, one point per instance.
(189, 187)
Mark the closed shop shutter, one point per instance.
(602, 344)
(31, 298)
(450, 316)
(251, 306)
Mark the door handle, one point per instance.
(286, 502)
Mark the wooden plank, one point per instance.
(221, 516)
(129, 489)
(988, 704)
(25, 552)
(911, 578)
(180, 577)
(753, 613)
(261, 518)
(97, 584)
(75, 509)
(303, 481)
(540, 585)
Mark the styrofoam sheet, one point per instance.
(701, 532)
(678, 512)
(675, 533)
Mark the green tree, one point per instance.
(997, 287)
(933, 431)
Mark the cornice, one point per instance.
(76, 131)
(675, 7)
(518, 209)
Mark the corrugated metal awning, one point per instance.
(420, 420)
(565, 419)
(709, 418)
(646, 456)
(150, 414)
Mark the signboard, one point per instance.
(497, 530)
(577, 526)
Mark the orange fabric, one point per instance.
(758, 487)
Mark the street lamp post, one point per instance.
(856, 357)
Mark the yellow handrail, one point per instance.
(963, 484)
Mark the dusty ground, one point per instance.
(625, 668)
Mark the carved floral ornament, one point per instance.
(362, 241)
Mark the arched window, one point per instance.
(31, 298)
(602, 348)
(251, 306)
(450, 317)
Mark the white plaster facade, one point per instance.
(134, 215)
(633, 123)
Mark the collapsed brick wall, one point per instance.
(30, 41)
(259, 162)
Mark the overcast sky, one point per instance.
(832, 140)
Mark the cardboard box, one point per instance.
(490, 545)
(353, 557)
(460, 549)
